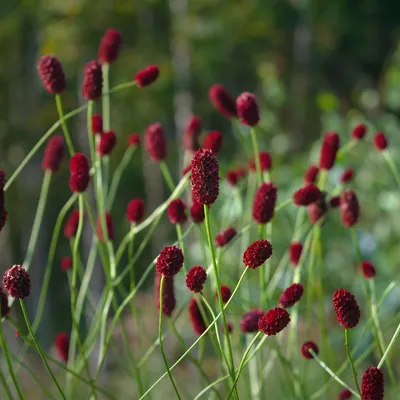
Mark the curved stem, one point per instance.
(67, 136)
(106, 96)
(256, 155)
(167, 176)
(392, 167)
(392, 341)
(346, 343)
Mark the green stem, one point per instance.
(5, 385)
(67, 136)
(346, 343)
(167, 176)
(181, 244)
(392, 167)
(391, 343)
(256, 155)
(106, 96)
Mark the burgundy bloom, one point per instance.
(347, 175)
(349, 207)
(176, 212)
(233, 176)
(197, 213)
(107, 143)
(190, 138)
(305, 350)
(334, 202)
(359, 132)
(205, 177)
(213, 141)
(71, 224)
(79, 173)
(291, 295)
(225, 237)
(51, 73)
(346, 308)
(380, 141)
(92, 81)
(155, 142)
(54, 153)
(134, 140)
(135, 211)
(295, 250)
(257, 253)
(109, 46)
(306, 195)
(97, 124)
(170, 261)
(168, 294)
(196, 278)
(249, 322)
(372, 384)
(3, 211)
(329, 149)
(318, 209)
(147, 76)
(265, 162)
(109, 226)
(247, 108)
(311, 174)
(62, 346)
(229, 327)
(344, 394)
(17, 282)
(264, 203)
(274, 321)
(66, 263)
(5, 309)
(222, 101)
(226, 293)
(367, 269)
(198, 324)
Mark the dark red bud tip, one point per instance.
(265, 162)
(205, 177)
(147, 76)
(247, 108)
(168, 294)
(372, 384)
(62, 346)
(134, 140)
(108, 140)
(222, 101)
(97, 124)
(274, 321)
(135, 211)
(109, 46)
(109, 227)
(66, 263)
(334, 202)
(311, 174)
(54, 154)
(347, 176)
(198, 323)
(295, 250)
(155, 142)
(367, 269)
(195, 278)
(5, 308)
(233, 176)
(249, 321)
(71, 224)
(329, 149)
(257, 253)
(359, 132)
(291, 295)
(213, 142)
(176, 212)
(51, 73)
(344, 394)
(305, 350)
(349, 207)
(264, 203)
(380, 141)
(79, 173)
(223, 238)
(306, 195)
(190, 139)
(17, 282)
(197, 213)
(226, 293)
(92, 81)
(346, 308)
(170, 261)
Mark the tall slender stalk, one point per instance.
(67, 136)
(346, 343)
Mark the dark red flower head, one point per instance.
(135, 211)
(249, 322)
(311, 174)
(3, 212)
(264, 203)
(97, 124)
(92, 81)
(109, 46)
(5, 309)
(190, 138)
(349, 207)
(346, 308)
(265, 162)
(224, 237)
(195, 278)
(170, 261)
(257, 253)
(213, 141)
(295, 250)
(177, 212)
(197, 213)
(79, 173)
(359, 132)
(222, 101)
(51, 73)
(380, 141)
(233, 176)
(107, 143)
(62, 346)
(347, 175)
(66, 263)
(305, 350)
(247, 108)
(318, 209)
(198, 324)
(334, 202)
(329, 149)
(226, 293)
(306, 195)
(367, 269)
(17, 282)
(71, 224)
(109, 226)
(291, 295)
(274, 321)
(147, 76)
(344, 394)
(155, 142)
(205, 177)
(134, 140)
(372, 384)
(168, 294)
(54, 153)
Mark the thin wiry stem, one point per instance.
(346, 342)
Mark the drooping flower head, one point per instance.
(349, 208)
(198, 323)
(51, 73)
(247, 108)
(224, 237)
(17, 282)
(92, 85)
(291, 295)
(265, 162)
(257, 253)
(147, 76)
(306, 195)
(295, 250)
(170, 261)
(79, 173)
(311, 174)
(62, 346)
(329, 149)
(347, 175)
(274, 321)
(346, 308)
(359, 132)
(249, 321)
(264, 203)
(195, 278)
(110, 45)
(380, 141)
(109, 227)
(135, 211)
(305, 350)
(108, 140)
(372, 384)
(223, 101)
(168, 294)
(213, 141)
(176, 212)
(54, 153)
(155, 142)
